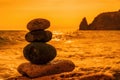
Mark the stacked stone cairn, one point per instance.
(40, 54)
(38, 51)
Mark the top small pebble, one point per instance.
(38, 24)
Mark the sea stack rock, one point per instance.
(83, 25)
(103, 21)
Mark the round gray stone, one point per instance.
(37, 24)
(39, 53)
(38, 36)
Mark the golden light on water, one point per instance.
(91, 51)
(15, 14)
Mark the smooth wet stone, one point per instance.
(37, 24)
(39, 53)
(38, 36)
(55, 67)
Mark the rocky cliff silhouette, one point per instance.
(104, 21)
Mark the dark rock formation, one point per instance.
(39, 53)
(105, 21)
(55, 67)
(38, 36)
(37, 24)
(83, 25)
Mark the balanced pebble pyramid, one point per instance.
(38, 51)
(40, 54)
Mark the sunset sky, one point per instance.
(63, 14)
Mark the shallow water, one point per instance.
(91, 51)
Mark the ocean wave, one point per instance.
(18, 36)
(12, 36)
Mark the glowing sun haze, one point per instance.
(63, 14)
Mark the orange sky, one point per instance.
(63, 14)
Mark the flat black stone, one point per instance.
(39, 53)
(38, 36)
